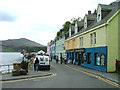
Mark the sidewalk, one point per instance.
(31, 74)
(115, 77)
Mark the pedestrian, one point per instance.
(61, 59)
(51, 58)
(65, 59)
(56, 59)
(36, 64)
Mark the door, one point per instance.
(79, 58)
(72, 57)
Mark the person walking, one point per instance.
(65, 60)
(56, 59)
(36, 64)
(61, 59)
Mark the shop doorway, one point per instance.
(72, 56)
(79, 58)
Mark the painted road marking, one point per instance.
(53, 74)
(96, 76)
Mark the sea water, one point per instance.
(8, 58)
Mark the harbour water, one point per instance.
(8, 58)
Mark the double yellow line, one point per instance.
(31, 78)
(96, 76)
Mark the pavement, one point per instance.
(31, 74)
(112, 76)
(115, 77)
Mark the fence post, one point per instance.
(8, 68)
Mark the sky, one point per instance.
(40, 20)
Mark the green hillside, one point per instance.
(16, 45)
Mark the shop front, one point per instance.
(75, 56)
(95, 58)
(79, 55)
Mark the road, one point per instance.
(64, 77)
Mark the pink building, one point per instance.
(48, 48)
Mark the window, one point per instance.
(85, 22)
(97, 59)
(98, 17)
(83, 57)
(93, 38)
(89, 58)
(102, 59)
(76, 29)
(81, 41)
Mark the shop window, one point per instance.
(83, 57)
(102, 58)
(97, 59)
(89, 58)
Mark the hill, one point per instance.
(16, 45)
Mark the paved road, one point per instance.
(64, 77)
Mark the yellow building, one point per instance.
(92, 43)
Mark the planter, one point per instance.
(23, 72)
(16, 72)
(17, 65)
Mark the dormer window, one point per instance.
(70, 31)
(103, 11)
(85, 22)
(98, 17)
(98, 13)
(76, 29)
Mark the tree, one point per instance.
(66, 26)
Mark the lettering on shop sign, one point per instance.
(72, 50)
(80, 50)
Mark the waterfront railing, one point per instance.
(6, 68)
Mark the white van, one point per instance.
(44, 62)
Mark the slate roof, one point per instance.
(115, 6)
(80, 23)
(106, 7)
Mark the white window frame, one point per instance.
(93, 39)
(81, 41)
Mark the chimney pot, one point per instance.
(89, 12)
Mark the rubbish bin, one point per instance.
(117, 66)
(16, 65)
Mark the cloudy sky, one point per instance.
(40, 20)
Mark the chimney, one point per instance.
(89, 12)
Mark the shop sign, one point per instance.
(72, 50)
(80, 50)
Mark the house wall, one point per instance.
(100, 47)
(72, 43)
(60, 47)
(100, 38)
(48, 48)
(113, 42)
